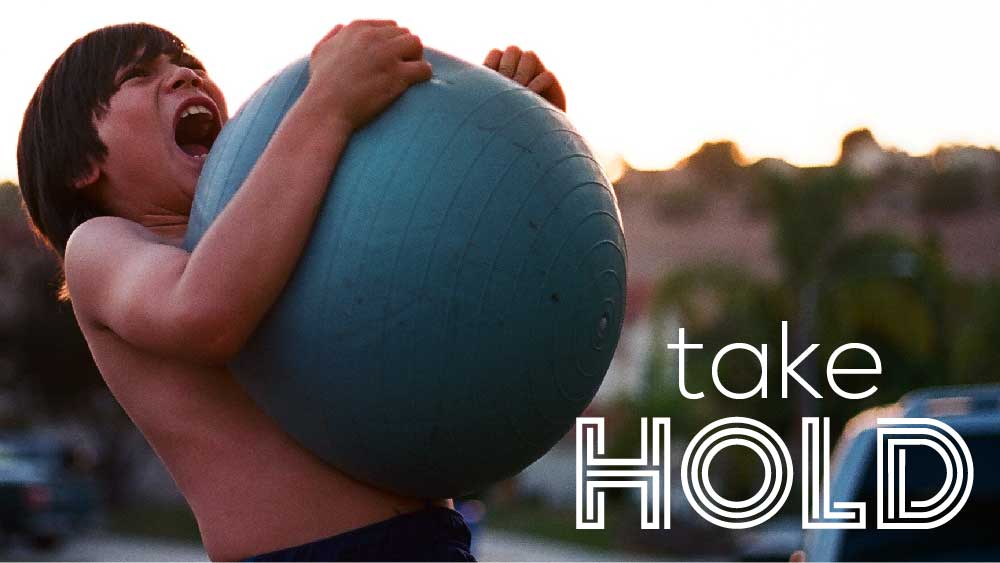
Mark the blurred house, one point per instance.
(952, 196)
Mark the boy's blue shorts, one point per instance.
(430, 534)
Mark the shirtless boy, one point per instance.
(108, 182)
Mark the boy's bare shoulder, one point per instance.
(99, 248)
(99, 238)
(96, 233)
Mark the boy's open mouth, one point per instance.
(196, 127)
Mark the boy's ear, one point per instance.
(89, 176)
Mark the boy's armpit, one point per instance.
(123, 278)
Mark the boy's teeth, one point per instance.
(195, 109)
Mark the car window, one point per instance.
(970, 535)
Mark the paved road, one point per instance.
(489, 546)
(98, 547)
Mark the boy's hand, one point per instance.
(527, 69)
(357, 70)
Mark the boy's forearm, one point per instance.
(240, 266)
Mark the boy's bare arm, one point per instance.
(203, 306)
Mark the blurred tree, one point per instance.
(977, 342)
(717, 305)
(717, 165)
(54, 377)
(10, 201)
(891, 294)
(862, 155)
(761, 174)
(807, 216)
(949, 190)
(855, 142)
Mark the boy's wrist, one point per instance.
(324, 111)
(314, 128)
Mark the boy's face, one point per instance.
(159, 126)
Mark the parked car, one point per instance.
(972, 535)
(45, 495)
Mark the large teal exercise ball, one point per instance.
(462, 293)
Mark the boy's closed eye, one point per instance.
(141, 69)
(189, 60)
(135, 71)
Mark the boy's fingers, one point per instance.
(408, 47)
(546, 86)
(527, 67)
(542, 82)
(508, 62)
(388, 32)
(493, 59)
(376, 23)
(415, 71)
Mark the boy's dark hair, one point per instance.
(58, 139)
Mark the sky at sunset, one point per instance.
(649, 81)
